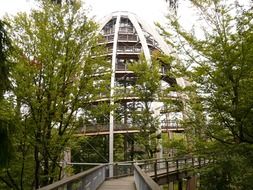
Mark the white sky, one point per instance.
(148, 10)
(13, 6)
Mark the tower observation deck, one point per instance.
(126, 37)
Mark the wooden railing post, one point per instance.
(167, 169)
(155, 169)
(132, 168)
(145, 166)
(180, 184)
(167, 165)
(69, 186)
(115, 170)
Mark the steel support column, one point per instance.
(111, 130)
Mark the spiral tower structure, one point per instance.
(126, 37)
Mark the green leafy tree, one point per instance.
(146, 88)
(55, 78)
(6, 124)
(218, 62)
(5, 66)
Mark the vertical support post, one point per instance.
(116, 170)
(171, 186)
(191, 183)
(155, 169)
(111, 125)
(69, 186)
(167, 170)
(199, 160)
(170, 136)
(132, 147)
(66, 160)
(126, 126)
(159, 153)
(159, 148)
(180, 184)
(167, 166)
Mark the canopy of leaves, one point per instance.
(55, 78)
(6, 125)
(220, 67)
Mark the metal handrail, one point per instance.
(93, 178)
(167, 124)
(144, 181)
(83, 180)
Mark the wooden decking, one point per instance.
(124, 183)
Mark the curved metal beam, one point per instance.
(111, 135)
(141, 36)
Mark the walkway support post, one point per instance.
(191, 183)
(111, 130)
(180, 184)
(171, 186)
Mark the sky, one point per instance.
(149, 10)
(14, 6)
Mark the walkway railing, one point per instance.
(171, 168)
(103, 127)
(90, 179)
(152, 173)
(147, 173)
(144, 181)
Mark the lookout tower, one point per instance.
(125, 38)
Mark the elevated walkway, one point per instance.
(140, 175)
(93, 130)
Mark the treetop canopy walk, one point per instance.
(103, 129)
(142, 174)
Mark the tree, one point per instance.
(152, 90)
(219, 65)
(55, 77)
(173, 4)
(146, 88)
(4, 67)
(6, 125)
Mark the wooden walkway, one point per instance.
(124, 183)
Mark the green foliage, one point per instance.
(219, 111)
(93, 149)
(176, 146)
(7, 128)
(4, 64)
(148, 79)
(55, 78)
(6, 123)
(146, 88)
(231, 170)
